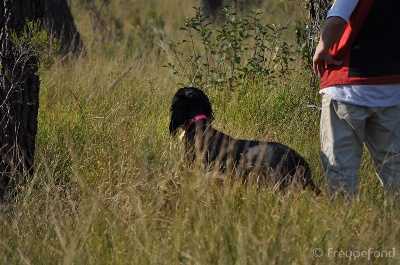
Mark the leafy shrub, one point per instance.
(241, 50)
(35, 41)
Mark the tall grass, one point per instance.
(108, 188)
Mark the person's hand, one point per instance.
(321, 58)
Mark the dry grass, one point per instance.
(108, 190)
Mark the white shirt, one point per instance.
(363, 95)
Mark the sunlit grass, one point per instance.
(108, 188)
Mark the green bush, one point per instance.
(242, 49)
(35, 41)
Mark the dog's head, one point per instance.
(187, 103)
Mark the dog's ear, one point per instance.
(178, 112)
(175, 122)
(173, 128)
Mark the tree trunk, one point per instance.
(211, 8)
(318, 10)
(58, 22)
(19, 95)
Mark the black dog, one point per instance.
(277, 163)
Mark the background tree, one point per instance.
(211, 8)
(59, 23)
(317, 10)
(19, 92)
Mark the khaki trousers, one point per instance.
(344, 130)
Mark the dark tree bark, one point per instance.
(58, 22)
(19, 95)
(317, 10)
(211, 8)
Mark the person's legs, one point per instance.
(342, 137)
(382, 137)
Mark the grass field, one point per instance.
(108, 188)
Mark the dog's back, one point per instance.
(278, 162)
(272, 161)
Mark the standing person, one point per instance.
(358, 61)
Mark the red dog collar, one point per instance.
(191, 121)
